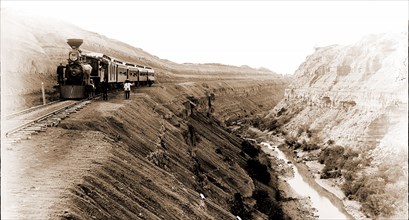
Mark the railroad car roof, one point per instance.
(96, 55)
(93, 54)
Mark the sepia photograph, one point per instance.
(241, 110)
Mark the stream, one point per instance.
(325, 208)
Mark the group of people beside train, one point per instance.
(105, 88)
(90, 89)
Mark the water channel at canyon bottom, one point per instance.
(325, 209)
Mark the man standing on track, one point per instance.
(127, 88)
(60, 74)
(104, 88)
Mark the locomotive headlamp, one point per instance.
(73, 56)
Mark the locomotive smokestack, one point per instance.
(74, 43)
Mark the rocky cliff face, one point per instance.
(358, 92)
(354, 96)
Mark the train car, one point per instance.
(121, 71)
(151, 75)
(133, 72)
(143, 75)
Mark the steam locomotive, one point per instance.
(86, 71)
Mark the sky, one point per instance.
(277, 35)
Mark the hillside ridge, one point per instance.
(34, 46)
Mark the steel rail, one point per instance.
(25, 111)
(41, 118)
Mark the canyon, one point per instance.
(153, 157)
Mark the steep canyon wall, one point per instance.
(355, 97)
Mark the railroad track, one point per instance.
(21, 125)
(26, 111)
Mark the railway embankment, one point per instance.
(163, 154)
(150, 157)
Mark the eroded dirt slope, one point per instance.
(145, 158)
(130, 159)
